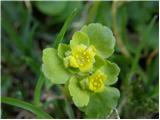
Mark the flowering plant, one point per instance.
(83, 67)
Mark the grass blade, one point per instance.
(59, 39)
(139, 49)
(37, 92)
(12, 33)
(27, 106)
(61, 34)
(142, 43)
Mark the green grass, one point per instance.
(27, 106)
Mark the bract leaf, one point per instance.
(62, 48)
(101, 37)
(101, 104)
(99, 62)
(79, 38)
(80, 97)
(53, 67)
(112, 71)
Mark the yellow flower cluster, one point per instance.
(82, 57)
(96, 81)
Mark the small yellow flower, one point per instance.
(96, 81)
(82, 57)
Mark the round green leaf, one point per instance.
(79, 38)
(102, 104)
(101, 37)
(80, 97)
(112, 71)
(53, 67)
(62, 48)
(50, 7)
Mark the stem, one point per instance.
(37, 92)
(116, 111)
(112, 115)
(92, 12)
(61, 34)
(120, 44)
(28, 5)
(66, 98)
(152, 55)
(25, 105)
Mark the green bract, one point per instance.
(83, 64)
(101, 37)
(53, 68)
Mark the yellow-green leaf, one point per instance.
(101, 37)
(79, 38)
(101, 104)
(53, 67)
(80, 97)
(112, 72)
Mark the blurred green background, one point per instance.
(29, 27)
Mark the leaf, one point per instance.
(101, 104)
(152, 39)
(27, 106)
(37, 92)
(79, 38)
(80, 97)
(98, 62)
(48, 84)
(101, 37)
(123, 63)
(53, 67)
(60, 36)
(62, 48)
(112, 71)
(50, 7)
(152, 71)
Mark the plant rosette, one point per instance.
(83, 67)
